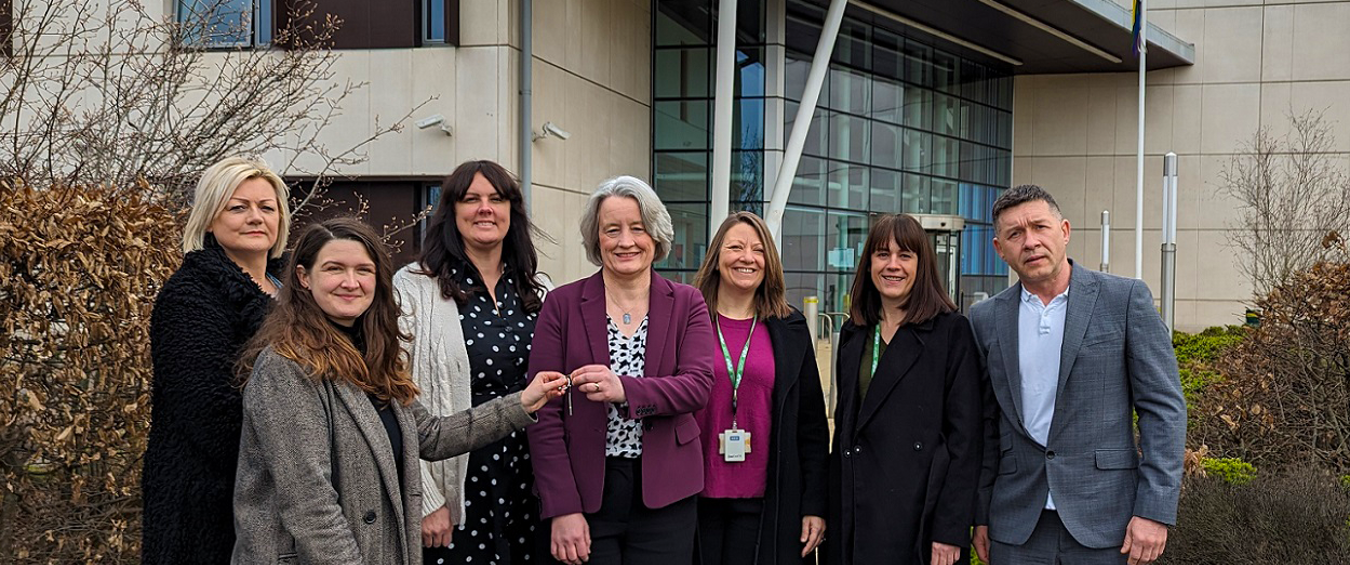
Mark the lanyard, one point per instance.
(876, 349)
(739, 371)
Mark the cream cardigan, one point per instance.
(440, 367)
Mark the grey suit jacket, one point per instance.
(317, 482)
(1117, 360)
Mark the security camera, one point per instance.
(553, 130)
(429, 121)
(435, 119)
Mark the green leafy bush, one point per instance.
(1196, 356)
(1206, 346)
(1230, 470)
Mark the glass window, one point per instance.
(747, 175)
(681, 176)
(683, 23)
(887, 60)
(802, 285)
(916, 194)
(849, 137)
(808, 187)
(944, 197)
(885, 193)
(682, 124)
(795, 72)
(850, 91)
(918, 63)
(803, 239)
(918, 108)
(845, 233)
(888, 100)
(946, 156)
(433, 26)
(945, 114)
(691, 236)
(848, 186)
(853, 45)
(748, 124)
(682, 73)
(917, 151)
(226, 23)
(749, 72)
(946, 75)
(887, 145)
(816, 135)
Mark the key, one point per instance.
(568, 392)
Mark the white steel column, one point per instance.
(723, 103)
(1139, 171)
(820, 64)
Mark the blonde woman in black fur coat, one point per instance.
(203, 316)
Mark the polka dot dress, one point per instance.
(501, 513)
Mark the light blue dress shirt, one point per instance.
(1040, 337)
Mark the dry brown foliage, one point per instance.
(1284, 397)
(79, 271)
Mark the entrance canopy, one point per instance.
(1035, 36)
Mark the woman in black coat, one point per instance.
(203, 316)
(905, 463)
(769, 508)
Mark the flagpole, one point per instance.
(1139, 156)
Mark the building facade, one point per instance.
(929, 107)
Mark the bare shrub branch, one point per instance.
(1292, 191)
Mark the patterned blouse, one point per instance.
(627, 356)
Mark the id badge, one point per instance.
(733, 444)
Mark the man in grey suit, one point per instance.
(1072, 356)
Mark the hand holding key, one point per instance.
(599, 384)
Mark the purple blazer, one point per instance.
(568, 451)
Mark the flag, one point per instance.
(1137, 33)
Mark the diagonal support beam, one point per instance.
(820, 64)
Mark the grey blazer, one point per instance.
(317, 480)
(1117, 360)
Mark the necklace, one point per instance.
(627, 312)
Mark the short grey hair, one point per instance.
(655, 217)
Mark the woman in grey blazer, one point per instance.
(332, 431)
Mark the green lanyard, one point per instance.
(876, 349)
(739, 371)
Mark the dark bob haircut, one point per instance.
(926, 297)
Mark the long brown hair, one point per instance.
(298, 329)
(443, 248)
(771, 296)
(926, 297)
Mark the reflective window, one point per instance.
(225, 23)
(903, 124)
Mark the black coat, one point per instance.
(797, 473)
(203, 316)
(906, 459)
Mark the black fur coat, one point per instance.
(203, 316)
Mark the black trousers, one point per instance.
(728, 530)
(625, 532)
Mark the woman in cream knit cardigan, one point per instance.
(470, 303)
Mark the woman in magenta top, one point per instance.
(765, 437)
